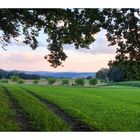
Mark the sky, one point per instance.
(21, 57)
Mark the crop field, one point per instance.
(55, 108)
(129, 83)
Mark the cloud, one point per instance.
(19, 57)
(100, 46)
(23, 58)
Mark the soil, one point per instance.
(20, 116)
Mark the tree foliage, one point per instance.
(35, 81)
(123, 30)
(14, 78)
(20, 81)
(51, 81)
(79, 82)
(77, 27)
(61, 26)
(102, 74)
(65, 82)
(93, 82)
(116, 74)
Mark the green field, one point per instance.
(109, 108)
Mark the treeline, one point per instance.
(121, 71)
(76, 82)
(8, 75)
(114, 74)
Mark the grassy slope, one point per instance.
(7, 122)
(129, 83)
(108, 109)
(42, 118)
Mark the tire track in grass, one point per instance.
(21, 117)
(73, 123)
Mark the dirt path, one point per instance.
(73, 123)
(20, 116)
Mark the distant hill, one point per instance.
(62, 74)
(8, 74)
(32, 74)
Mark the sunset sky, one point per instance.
(21, 57)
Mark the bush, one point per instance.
(80, 82)
(35, 82)
(65, 82)
(14, 78)
(20, 81)
(4, 80)
(93, 82)
(51, 81)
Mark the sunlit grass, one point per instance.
(7, 116)
(41, 118)
(108, 109)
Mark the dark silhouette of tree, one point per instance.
(116, 74)
(123, 29)
(51, 81)
(102, 74)
(65, 82)
(74, 26)
(61, 26)
(79, 82)
(93, 82)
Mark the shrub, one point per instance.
(80, 82)
(4, 80)
(35, 82)
(20, 81)
(14, 78)
(65, 82)
(51, 81)
(93, 82)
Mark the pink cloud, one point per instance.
(34, 61)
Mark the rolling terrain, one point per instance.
(55, 108)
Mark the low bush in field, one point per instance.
(93, 82)
(51, 81)
(35, 82)
(65, 82)
(20, 81)
(79, 82)
(14, 78)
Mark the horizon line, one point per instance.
(50, 71)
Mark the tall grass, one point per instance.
(103, 108)
(129, 83)
(7, 116)
(41, 118)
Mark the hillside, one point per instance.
(4, 73)
(62, 74)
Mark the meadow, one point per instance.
(64, 108)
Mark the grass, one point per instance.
(7, 120)
(129, 83)
(41, 118)
(107, 109)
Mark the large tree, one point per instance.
(75, 26)
(123, 30)
(61, 26)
